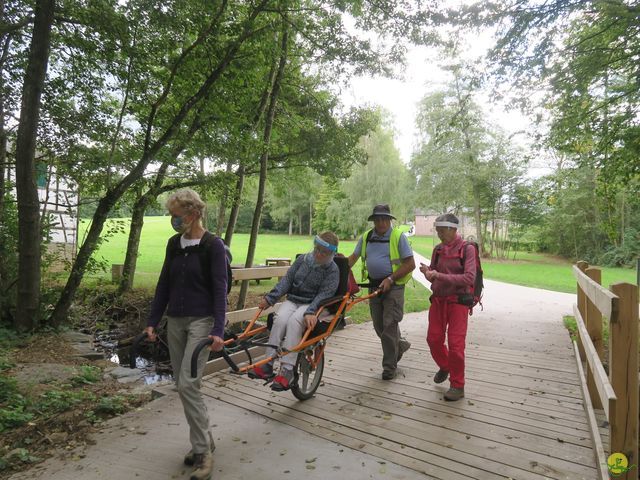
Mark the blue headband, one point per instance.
(324, 244)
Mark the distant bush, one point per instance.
(625, 254)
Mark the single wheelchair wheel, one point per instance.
(306, 378)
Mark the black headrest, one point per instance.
(343, 267)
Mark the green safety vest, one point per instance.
(394, 254)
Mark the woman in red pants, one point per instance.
(452, 274)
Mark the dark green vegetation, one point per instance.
(49, 400)
(127, 101)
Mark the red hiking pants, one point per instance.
(446, 317)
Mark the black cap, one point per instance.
(381, 210)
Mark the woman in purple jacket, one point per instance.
(194, 294)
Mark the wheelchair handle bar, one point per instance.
(196, 353)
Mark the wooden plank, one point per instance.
(593, 321)
(381, 447)
(277, 261)
(258, 273)
(509, 376)
(623, 368)
(428, 413)
(451, 446)
(581, 301)
(606, 301)
(601, 457)
(604, 388)
(506, 386)
(238, 316)
(493, 406)
(524, 400)
(507, 358)
(542, 425)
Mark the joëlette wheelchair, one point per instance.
(309, 365)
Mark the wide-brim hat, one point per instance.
(381, 210)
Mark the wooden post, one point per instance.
(623, 372)
(593, 320)
(581, 302)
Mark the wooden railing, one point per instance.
(237, 316)
(617, 393)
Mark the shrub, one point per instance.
(88, 375)
(624, 254)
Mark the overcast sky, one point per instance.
(421, 76)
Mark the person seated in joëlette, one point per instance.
(312, 278)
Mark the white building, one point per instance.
(59, 210)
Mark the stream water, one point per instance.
(152, 359)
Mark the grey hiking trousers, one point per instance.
(386, 313)
(184, 333)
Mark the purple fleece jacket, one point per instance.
(183, 291)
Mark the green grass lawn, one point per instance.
(530, 269)
(534, 269)
(157, 230)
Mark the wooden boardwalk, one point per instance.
(522, 417)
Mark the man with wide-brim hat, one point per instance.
(387, 263)
(381, 210)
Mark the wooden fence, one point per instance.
(617, 393)
(237, 316)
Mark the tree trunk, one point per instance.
(203, 197)
(264, 159)
(622, 219)
(235, 206)
(28, 302)
(477, 217)
(290, 215)
(4, 168)
(310, 219)
(133, 243)
(222, 209)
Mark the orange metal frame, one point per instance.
(347, 302)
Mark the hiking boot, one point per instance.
(389, 374)
(440, 376)
(283, 380)
(188, 458)
(454, 394)
(202, 466)
(263, 372)
(403, 346)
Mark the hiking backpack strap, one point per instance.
(436, 256)
(205, 259)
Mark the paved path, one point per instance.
(149, 443)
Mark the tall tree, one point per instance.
(264, 157)
(449, 159)
(169, 108)
(29, 236)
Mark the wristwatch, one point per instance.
(391, 278)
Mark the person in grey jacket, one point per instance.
(312, 278)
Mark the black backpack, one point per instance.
(204, 251)
(472, 299)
